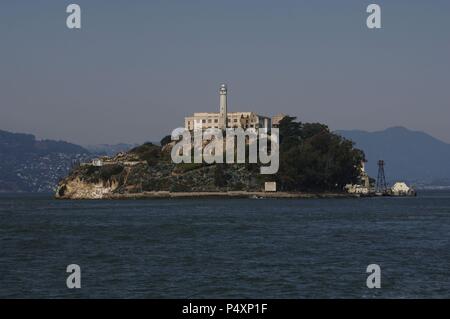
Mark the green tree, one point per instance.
(314, 159)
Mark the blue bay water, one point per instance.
(215, 248)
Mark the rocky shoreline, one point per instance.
(229, 194)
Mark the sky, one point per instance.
(137, 68)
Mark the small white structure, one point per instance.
(400, 188)
(363, 187)
(270, 186)
(276, 119)
(357, 189)
(97, 162)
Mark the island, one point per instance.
(313, 162)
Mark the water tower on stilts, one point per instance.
(381, 187)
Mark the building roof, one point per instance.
(228, 114)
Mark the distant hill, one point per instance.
(410, 155)
(30, 165)
(25, 143)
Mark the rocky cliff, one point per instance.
(148, 168)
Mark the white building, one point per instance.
(270, 186)
(277, 119)
(357, 189)
(224, 119)
(400, 188)
(97, 162)
(364, 183)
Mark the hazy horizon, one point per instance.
(135, 70)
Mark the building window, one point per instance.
(203, 121)
(216, 121)
(209, 121)
(235, 120)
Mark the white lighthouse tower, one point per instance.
(223, 117)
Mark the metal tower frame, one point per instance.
(381, 186)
